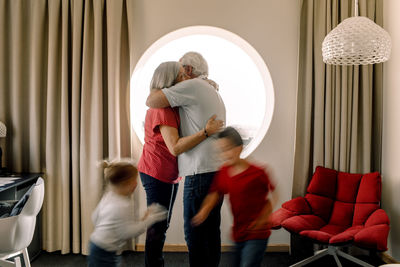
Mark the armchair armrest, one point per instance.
(377, 217)
(289, 209)
(277, 217)
(375, 232)
(298, 205)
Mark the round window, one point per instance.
(244, 81)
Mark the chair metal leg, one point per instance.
(337, 260)
(17, 261)
(7, 263)
(335, 252)
(320, 254)
(353, 259)
(26, 257)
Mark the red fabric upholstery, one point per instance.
(370, 188)
(347, 187)
(323, 182)
(372, 237)
(298, 205)
(279, 216)
(333, 229)
(338, 208)
(342, 214)
(317, 235)
(346, 236)
(296, 224)
(320, 205)
(377, 217)
(362, 211)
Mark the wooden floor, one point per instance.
(175, 259)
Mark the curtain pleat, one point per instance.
(76, 24)
(64, 97)
(91, 114)
(339, 108)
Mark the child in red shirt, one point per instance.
(248, 187)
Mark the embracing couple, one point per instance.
(185, 112)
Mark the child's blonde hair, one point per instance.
(117, 172)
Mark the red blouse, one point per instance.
(156, 160)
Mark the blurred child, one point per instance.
(248, 187)
(113, 217)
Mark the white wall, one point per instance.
(391, 128)
(271, 27)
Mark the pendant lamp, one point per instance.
(356, 41)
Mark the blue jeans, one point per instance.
(164, 194)
(250, 253)
(99, 257)
(203, 241)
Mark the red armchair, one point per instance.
(338, 209)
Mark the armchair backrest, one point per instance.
(343, 199)
(35, 201)
(17, 231)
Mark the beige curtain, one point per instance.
(64, 81)
(339, 109)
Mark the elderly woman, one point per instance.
(158, 165)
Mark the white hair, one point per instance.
(197, 62)
(165, 75)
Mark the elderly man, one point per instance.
(198, 99)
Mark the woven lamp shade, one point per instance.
(3, 130)
(356, 41)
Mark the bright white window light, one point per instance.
(244, 81)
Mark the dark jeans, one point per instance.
(250, 253)
(204, 241)
(164, 194)
(99, 257)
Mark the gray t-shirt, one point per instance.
(197, 101)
